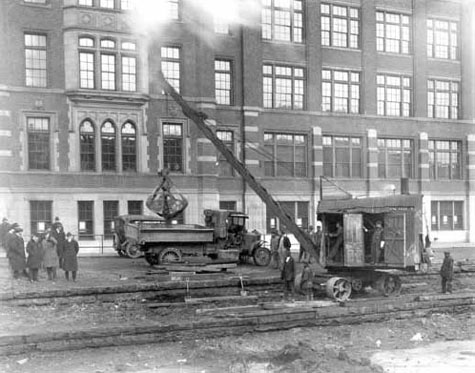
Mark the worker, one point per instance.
(274, 249)
(447, 273)
(337, 236)
(303, 256)
(317, 239)
(288, 274)
(377, 243)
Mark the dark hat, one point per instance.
(4, 219)
(69, 234)
(18, 229)
(446, 252)
(56, 219)
(14, 225)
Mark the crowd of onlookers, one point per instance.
(49, 250)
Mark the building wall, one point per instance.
(67, 106)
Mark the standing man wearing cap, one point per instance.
(70, 256)
(377, 243)
(35, 256)
(447, 273)
(16, 253)
(4, 228)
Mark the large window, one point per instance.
(298, 212)
(135, 207)
(85, 2)
(38, 143)
(395, 158)
(113, 67)
(341, 91)
(111, 210)
(223, 82)
(342, 156)
(87, 146)
(446, 215)
(129, 151)
(283, 87)
(393, 32)
(173, 7)
(171, 66)
(35, 60)
(85, 219)
(109, 4)
(340, 26)
(445, 159)
(173, 146)
(108, 136)
(227, 205)
(129, 73)
(282, 20)
(224, 168)
(442, 39)
(394, 95)
(286, 155)
(40, 216)
(442, 99)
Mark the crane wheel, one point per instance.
(261, 256)
(169, 255)
(338, 288)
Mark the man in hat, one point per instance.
(16, 253)
(447, 273)
(70, 256)
(288, 274)
(274, 249)
(377, 243)
(303, 256)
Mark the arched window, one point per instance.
(129, 148)
(108, 146)
(87, 146)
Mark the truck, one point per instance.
(223, 239)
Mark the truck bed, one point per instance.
(175, 233)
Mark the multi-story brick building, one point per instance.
(364, 92)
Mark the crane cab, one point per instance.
(373, 232)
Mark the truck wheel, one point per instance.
(133, 251)
(169, 255)
(261, 256)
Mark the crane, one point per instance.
(199, 119)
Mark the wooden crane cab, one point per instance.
(368, 241)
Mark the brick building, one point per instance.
(363, 92)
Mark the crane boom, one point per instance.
(200, 120)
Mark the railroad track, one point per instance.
(239, 320)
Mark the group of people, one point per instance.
(50, 250)
(281, 259)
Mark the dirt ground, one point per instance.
(333, 349)
(321, 349)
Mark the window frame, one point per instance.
(178, 139)
(271, 149)
(351, 94)
(436, 148)
(388, 89)
(129, 158)
(43, 213)
(85, 215)
(453, 111)
(384, 168)
(453, 39)
(34, 158)
(108, 158)
(404, 46)
(87, 153)
(270, 26)
(332, 169)
(110, 210)
(297, 210)
(41, 52)
(328, 34)
(171, 65)
(272, 92)
(224, 168)
(436, 218)
(227, 74)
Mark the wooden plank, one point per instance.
(219, 299)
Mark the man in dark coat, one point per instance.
(4, 228)
(70, 256)
(35, 256)
(16, 253)
(447, 273)
(317, 240)
(337, 245)
(288, 274)
(57, 232)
